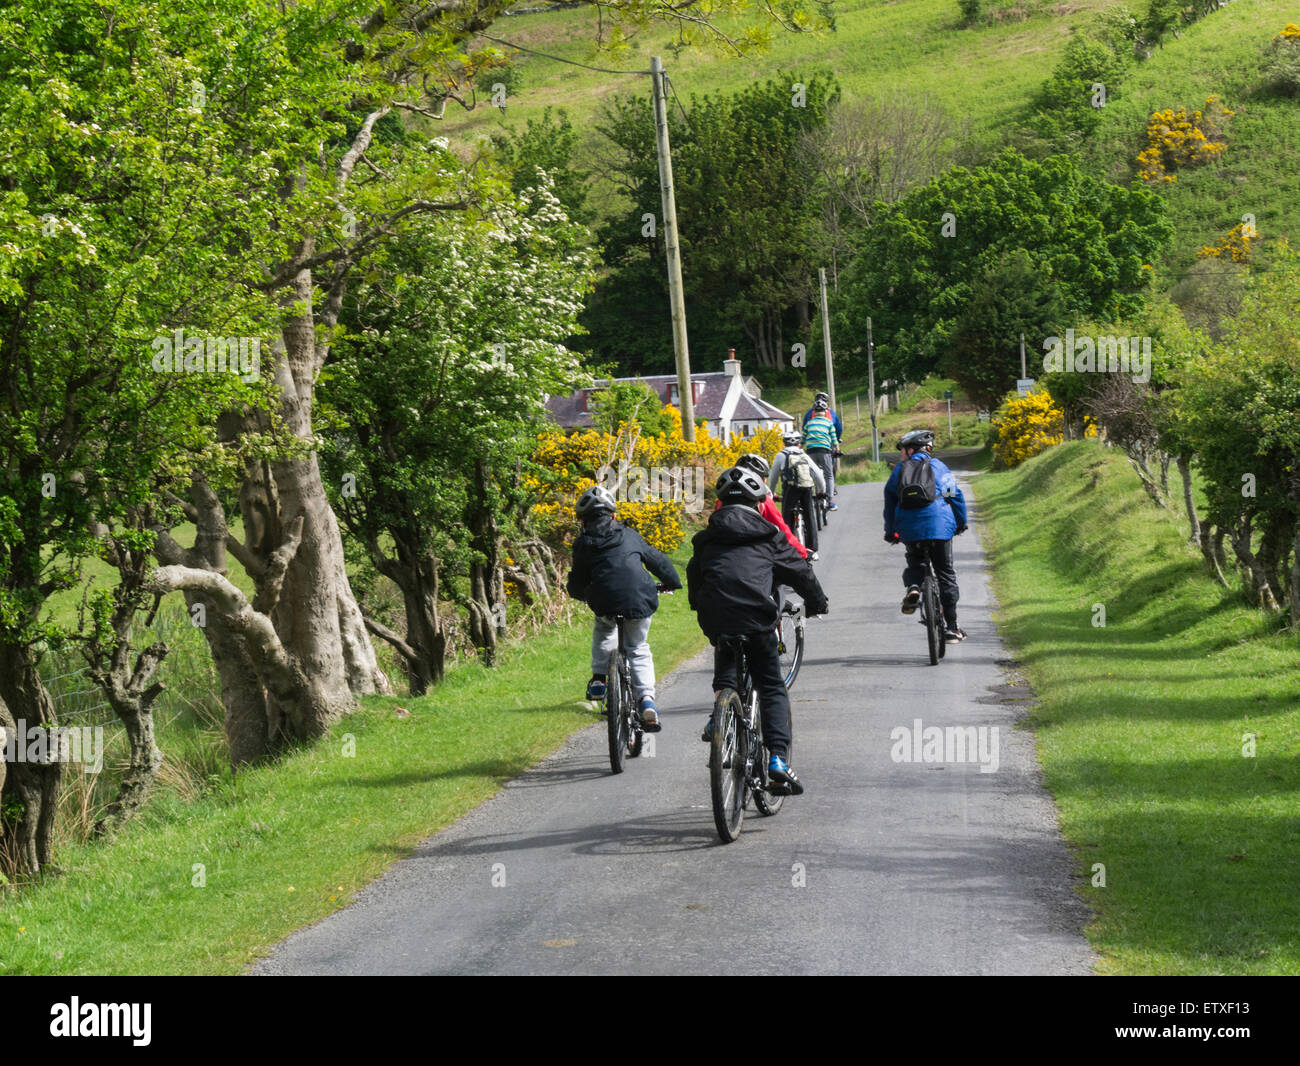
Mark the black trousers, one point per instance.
(765, 669)
(791, 500)
(940, 552)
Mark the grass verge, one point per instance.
(1152, 683)
(208, 885)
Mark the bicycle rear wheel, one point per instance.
(930, 605)
(789, 642)
(727, 758)
(619, 719)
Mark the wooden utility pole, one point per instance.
(676, 297)
(826, 340)
(871, 393)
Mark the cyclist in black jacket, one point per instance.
(739, 558)
(609, 574)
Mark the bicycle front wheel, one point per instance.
(727, 758)
(620, 713)
(789, 642)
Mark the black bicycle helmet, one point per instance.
(821, 403)
(595, 500)
(821, 396)
(755, 462)
(917, 438)
(739, 485)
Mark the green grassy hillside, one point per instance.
(983, 76)
(984, 73)
(1259, 173)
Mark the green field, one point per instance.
(983, 73)
(1143, 723)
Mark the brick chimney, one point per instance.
(731, 364)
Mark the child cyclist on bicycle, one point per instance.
(925, 509)
(609, 575)
(738, 559)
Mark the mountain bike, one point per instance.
(737, 755)
(626, 734)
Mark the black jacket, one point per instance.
(609, 570)
(739, 559)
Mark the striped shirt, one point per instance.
(819, 431)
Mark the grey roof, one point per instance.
(567, 410)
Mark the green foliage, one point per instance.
(452, 338)
(1237, 409)
(748, 214)
(117, 229)
(1092, 240)
(1013, 295)
(1282, 62)
(970, 10)
(548, 144)
(630, 401)
(1068, 105)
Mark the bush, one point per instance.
(1282, 66)
(970, 10)
(565, 466)
(1176, 138)
(1024, 426)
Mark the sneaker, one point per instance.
(707, 735)
(650, 715)
(833, 507)
(596, 688)
(813, 556)
(784, 781)
(954, 634)
(912, 599)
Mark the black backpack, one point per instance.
(916, 487)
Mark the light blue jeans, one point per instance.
(636, 643)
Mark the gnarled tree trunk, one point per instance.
(26, 705)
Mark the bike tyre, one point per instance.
(617, 719)
(727, 758)
(932, 633)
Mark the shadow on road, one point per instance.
(687, 830)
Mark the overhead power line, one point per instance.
(558, 59)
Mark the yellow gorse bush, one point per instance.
(569, 463)
(1290, 32)
(1177, 138)
(1026, 425)
(1235, 246)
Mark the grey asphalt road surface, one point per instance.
(884, 866)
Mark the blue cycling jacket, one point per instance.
(940, 520)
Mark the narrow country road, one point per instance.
(882, 867)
